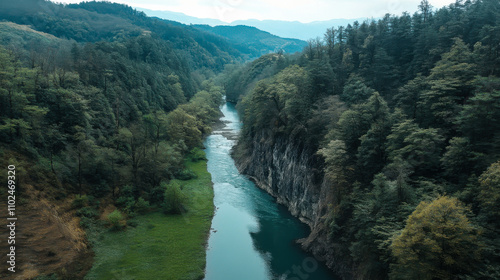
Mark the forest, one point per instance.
(102, 107)
(98, 115)
(400, 118)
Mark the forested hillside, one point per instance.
(105, 21)
(103, 112)
(249, 39)
(398, 124)
(383, 136)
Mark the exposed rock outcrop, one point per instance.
(291, 172)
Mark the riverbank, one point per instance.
(284, 169)
(253, 237)
(159, 246)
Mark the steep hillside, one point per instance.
(254, 41)
(97, 21)
(384, 139)
(102, 113)
(94, 21)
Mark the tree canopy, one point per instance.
(393, 113)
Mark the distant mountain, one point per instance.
(285, 29)
(248, 39)
(295, 29)
(180, 17)
(102, 21)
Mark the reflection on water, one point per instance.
(252, 237)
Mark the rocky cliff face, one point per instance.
(289, 171)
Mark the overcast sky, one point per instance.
(291, 10)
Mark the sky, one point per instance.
(290, 10)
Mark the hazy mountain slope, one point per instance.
(101, 21)
(281, 28)
(181, 17)
(295, 29)
(248, 40)
(255, 41)
(78, 85)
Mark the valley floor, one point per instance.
(159, 246)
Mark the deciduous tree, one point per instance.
(438, 241)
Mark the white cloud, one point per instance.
(301, 10)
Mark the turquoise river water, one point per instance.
(252, 237)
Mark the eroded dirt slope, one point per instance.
(48, 238)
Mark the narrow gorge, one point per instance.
(291, 172)
(252, 236)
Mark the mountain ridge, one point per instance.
(261, 41)
(281, 28)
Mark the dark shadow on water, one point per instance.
(277, 238)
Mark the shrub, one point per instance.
(93, 201)
(127, 191)
(85, 222)
(124, 201)
(174, 199)
(141, 206)
(197, 154)
(88, 212)
(186, 174)
(115, 219)
(130, 207)
(131, 214)
(80, 201)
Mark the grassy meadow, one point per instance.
(159, 246)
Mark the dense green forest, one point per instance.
(402, 118)
(103, 109)
(106, 21)
(96, 116)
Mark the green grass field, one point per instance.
(161, 246)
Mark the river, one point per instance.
(252, 237)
